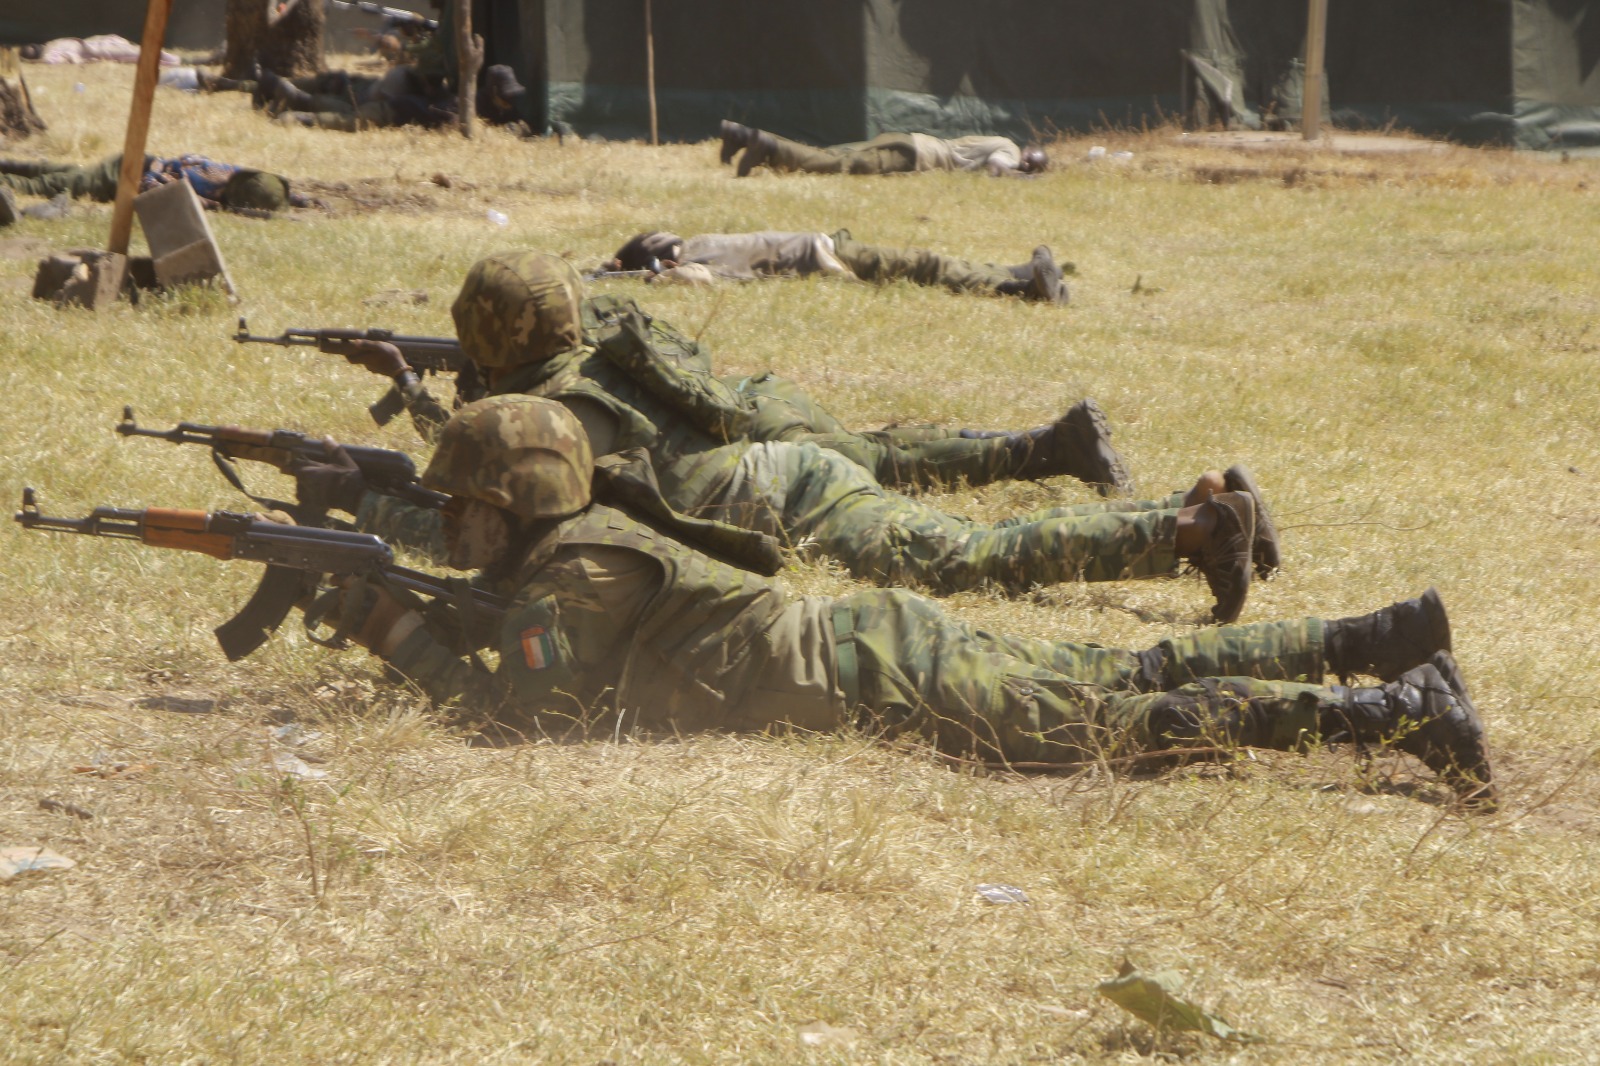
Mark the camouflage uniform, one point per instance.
(215, 183)
(880, 264)
(814, 500)
(777, 409)
(611, 615)
(747, 256)
(918, 456)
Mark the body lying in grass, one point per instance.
(746, 453)
(749, 256)
(616, 610)
(887, 153)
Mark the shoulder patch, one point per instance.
(538, 649)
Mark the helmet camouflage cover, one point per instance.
(518, 307)
(525, 454)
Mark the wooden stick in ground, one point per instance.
(144, 91)
(650, 69)
(1311, 92)
(469, 60)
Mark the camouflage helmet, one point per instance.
(522, 453)
(518, 307)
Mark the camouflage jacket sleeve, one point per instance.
(537, 671)
(535, 674)
(427, 413)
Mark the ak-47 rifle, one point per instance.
(425, 355)
(384, 471)
(296, 558)
(388, 472)
(394, 14)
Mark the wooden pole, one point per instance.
(469, 60)
(144, 92)
(1311, 91)
(650, 70)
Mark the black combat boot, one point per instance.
(1078, 444)
(1387, 643)
(1237, 478)
(1427, 713)
(1225, 559)
(734, 137)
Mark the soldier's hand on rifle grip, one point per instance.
(336, 484)
(380, 357)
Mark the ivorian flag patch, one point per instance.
(537, 648)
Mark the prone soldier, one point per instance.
(519, 318)
(618, 612)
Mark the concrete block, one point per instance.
(180, 239)
(193, 262)
(81, 278)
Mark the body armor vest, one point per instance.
(698, 646)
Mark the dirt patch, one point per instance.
(1340, 143)
(1289, 176)
(23, 247)
(364, 195)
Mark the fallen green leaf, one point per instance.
(1154, 998)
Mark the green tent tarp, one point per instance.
(1516, 72)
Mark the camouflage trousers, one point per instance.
(907, 667)
(887, 153)
(821, 503)
(98, 182)
(908, 456)
(919, 266)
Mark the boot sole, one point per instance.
(1473, 784)
(1089, 428)
(1265, 551)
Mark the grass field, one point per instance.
(1402, 346)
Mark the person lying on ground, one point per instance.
(219, 185)
(887, 153)
(622, 610)
(746, 256)
(101, 48)
(401, 96)
(519, 318)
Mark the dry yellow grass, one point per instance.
(1401, 347)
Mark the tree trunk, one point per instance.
(17, 116)
(469, 60)
(284, 36)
